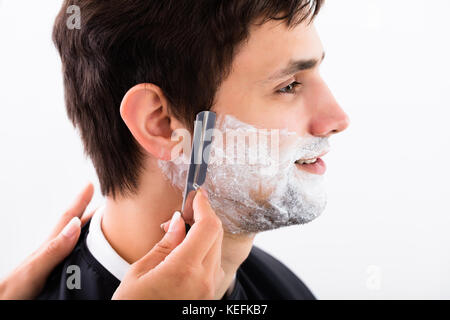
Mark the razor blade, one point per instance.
(196, 174)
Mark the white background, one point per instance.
(385, 232)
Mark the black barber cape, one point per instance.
(260, 276)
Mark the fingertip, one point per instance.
(198, 196)
(176, 230)
(203, 192)
(165, 225)
(87, 216)
(88, 186)
(88, 192)
(82, 200)
(72, 227)
(176, 222)
(201, 200)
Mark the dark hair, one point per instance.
(186, 47)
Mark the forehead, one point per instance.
(272, 45)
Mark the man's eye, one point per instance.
(289, 88)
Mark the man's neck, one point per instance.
(132, 225)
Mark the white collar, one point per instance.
(102, 250)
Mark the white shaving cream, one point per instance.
(252, 180)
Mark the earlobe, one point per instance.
(144, 111)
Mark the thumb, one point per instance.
(174, 236)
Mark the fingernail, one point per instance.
(71, 228)
(173, 221)
(162, 226)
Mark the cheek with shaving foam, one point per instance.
(260, 196)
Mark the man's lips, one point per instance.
(317, 167)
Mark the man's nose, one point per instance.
(328, 118)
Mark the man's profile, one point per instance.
(136, 71)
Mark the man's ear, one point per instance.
(144, 111)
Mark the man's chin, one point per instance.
(250, 227)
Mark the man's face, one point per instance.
(275, 84)
(260, 92)
(256, 93)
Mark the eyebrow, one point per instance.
(294, 67)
